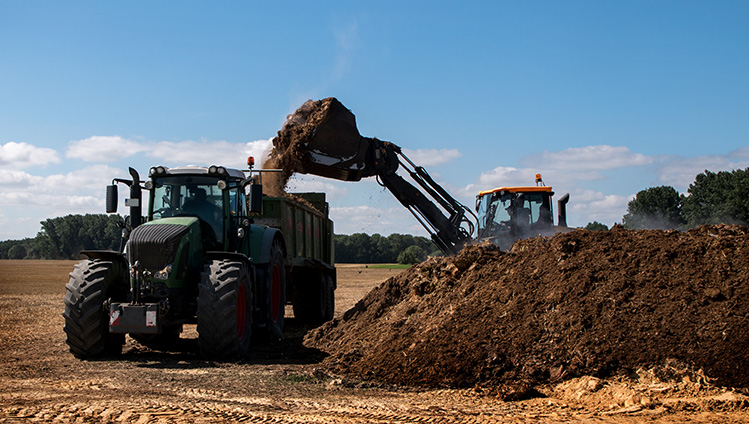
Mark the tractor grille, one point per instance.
(156, 245)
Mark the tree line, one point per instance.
(395, 248)
(65, 237)
(713, 198)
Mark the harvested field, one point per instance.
(287, 381)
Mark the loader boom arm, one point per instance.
(330, 144)
(448, 226)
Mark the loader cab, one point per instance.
(214, 195)
(506, 214)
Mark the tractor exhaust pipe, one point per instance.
(135, 199)
(562, 208)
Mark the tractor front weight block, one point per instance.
(141, 319)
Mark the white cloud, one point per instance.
(94, 177)
(347, 37)
(432, 157)
(680, 172)
(371, 220)
(589, 158)
(104, 148)
(588, 205)
(16, 179)
(23, 155)
(233, 155)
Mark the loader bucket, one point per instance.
(325, 139)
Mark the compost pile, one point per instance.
(597, 303)
(289, 151)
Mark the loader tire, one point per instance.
(314, 303)
(225, 310)
(91, 283)
(271, 290)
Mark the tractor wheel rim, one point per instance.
(275, 293)
(241, 311)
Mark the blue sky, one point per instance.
(603, 98)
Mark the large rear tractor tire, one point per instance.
(272, 296)
(225, 310)
(314, 302)
(91, 283)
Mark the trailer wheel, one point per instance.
(91, 283)
(224, 309)
(314, 303)
(272, 288)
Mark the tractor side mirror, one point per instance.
(112, 198)
(256, 198)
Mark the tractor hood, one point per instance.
(166, 248)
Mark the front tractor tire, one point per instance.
(91, 283)
(225, 310)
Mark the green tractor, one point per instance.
(199, 257)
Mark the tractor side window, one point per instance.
(534, 202)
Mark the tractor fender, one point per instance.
(221, 255)
(261, 242)
(108, 255)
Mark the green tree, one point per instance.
(718, 198)
(654, 208)
(412, 255)
(596, 226)
(65, 237)
(17, 251)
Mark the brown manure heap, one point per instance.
(599, 303)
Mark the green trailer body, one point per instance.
(307, 230)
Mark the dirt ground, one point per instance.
(283, 382)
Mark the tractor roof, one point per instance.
(193, 169)
(532, 189)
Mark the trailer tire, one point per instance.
(224, 310)
(91, 283)
(272, 287)
(314, 303)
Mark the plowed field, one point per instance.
(286, 382)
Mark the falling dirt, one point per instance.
(289, 151)
(602, 304)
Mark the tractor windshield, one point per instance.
(189, 195)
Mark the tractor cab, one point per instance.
(506, 214)
(214, 195)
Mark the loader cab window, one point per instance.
(189, 195)
(502, 211)
(495, 212)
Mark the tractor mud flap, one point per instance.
(141, 319)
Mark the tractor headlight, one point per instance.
(220, 170)
(164, 273)
(157, 170)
